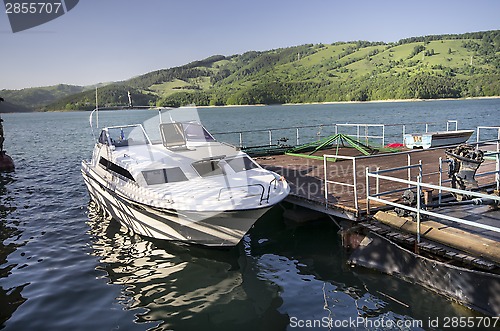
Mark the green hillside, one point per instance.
(430, 67)
(39, 96)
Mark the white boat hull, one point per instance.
(218, 228)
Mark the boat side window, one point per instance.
(206, 168)
(243, 163)
(162, 176)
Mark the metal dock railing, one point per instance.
(420, 209)
(352, 178)
(369, 133)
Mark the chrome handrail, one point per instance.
(248, 185)
(420, 186)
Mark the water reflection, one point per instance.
(278, 274)
(185, 287)
(10, 298)
(309, 264)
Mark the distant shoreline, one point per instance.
(354, 102)
(301, 104)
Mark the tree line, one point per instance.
(421, 86)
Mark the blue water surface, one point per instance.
(63, 267)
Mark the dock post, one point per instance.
(440, 183)
(270, 137)
(497, 166)
(428, 196)
(325, 162)
(367, 171)
(241, 139)
(297, 136)
(383, 135)
(409, 169)
(419, 191)
(477, 137)
(355, 184)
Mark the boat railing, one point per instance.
(275, 181)
(369, 133)
(263, 196)
(96, 111)
(263, 191)
(420, 208)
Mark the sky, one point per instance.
(113, 40)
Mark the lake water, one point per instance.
(64, 268)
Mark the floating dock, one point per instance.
(345, 176)
(367, 193)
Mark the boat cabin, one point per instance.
(204, 156)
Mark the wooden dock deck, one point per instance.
(306, 177)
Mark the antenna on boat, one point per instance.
(130, 104)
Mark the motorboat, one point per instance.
(185, 186)
(436, 139)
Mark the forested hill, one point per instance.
(429, 67)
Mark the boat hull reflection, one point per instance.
(181, 286)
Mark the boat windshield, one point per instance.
(196, 132)
(241, 163)
(127, 136)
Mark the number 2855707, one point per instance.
(33, 7)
